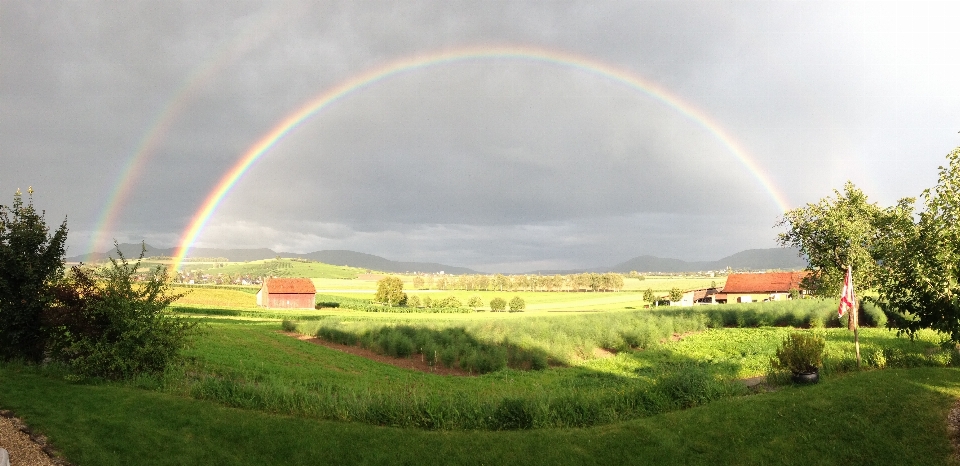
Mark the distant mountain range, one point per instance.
(751, 259)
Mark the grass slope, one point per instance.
(878, 417)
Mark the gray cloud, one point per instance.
(490, 163)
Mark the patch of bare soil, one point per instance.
(679, 336)
(416, 362)
(601, 353)
(953, 428)
(23, 446)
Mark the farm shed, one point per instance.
(769, 286)
(699, 296)
(290, 293)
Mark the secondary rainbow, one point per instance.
(373, 76)
(199, 77)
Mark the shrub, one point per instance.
(288, 326)
(517, 304)
(800, 352)
(498, 304)
(413, 301)
(109, 323)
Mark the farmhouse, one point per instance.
(770, 286)
(291, 293)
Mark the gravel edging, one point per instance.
(24, 446)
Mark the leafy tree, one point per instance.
(390, 292)
(500, 281)
(418, 282)
(498, 304)
(413, 301)
(450, 302)
(475, 302)
(832, 234)
(919, 257)
(113, 323)
(427, 301)
(31, 263)
(517, 304)
(648, 295)
(676, 294)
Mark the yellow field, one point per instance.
(216, 297)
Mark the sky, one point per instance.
(611, 130)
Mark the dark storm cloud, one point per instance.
(493, 163)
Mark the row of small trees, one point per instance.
(574, 282)
(107, 322)
(390, 292)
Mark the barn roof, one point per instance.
(289, 285)
(770, 282)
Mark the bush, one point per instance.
(288, 326)
(110, 323)
(498, 304)
(800, 352)
(517, 304)
(413, 301)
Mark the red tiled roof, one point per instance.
(772, 282)
(289, 285)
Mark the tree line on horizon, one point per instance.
(579, 282)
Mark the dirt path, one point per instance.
(23, 447)
(416, 362)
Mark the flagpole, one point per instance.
(856, 330)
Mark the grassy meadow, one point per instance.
(577, 378)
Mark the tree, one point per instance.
(835, 233)
(676, 294)
(390, 292)
(648, 295)
(418, 282)
(31, 263)
(517, 304)
(498, 304)
(475, 302)
(919, 258)
(114, 323)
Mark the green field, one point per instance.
(860, 417)
(579, 378)
(277, 267)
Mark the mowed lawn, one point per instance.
(876, 417)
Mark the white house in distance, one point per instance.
(701, 296)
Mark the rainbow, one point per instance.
(198, 78)
(418, 62)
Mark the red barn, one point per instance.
(291, 293)
(770, 286)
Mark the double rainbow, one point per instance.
(419, 62)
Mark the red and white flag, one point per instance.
(847, 298)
